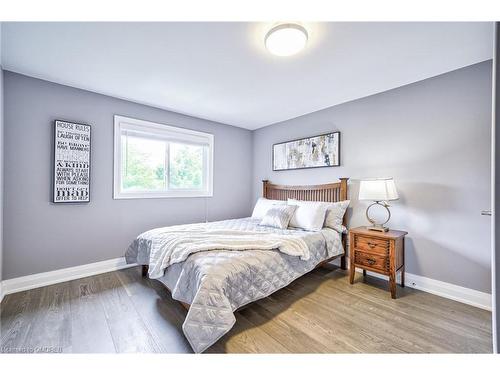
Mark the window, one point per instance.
(156, 161)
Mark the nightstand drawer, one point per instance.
(371, 260)
(372, 245)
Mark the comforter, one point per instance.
(217, 282)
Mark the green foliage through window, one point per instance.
(143, 164)
(144, 159)
(186, 165)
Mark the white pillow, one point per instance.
(308, 215)
(262, 206)
(335, 215)
(278, 216)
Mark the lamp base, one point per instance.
(378, 228)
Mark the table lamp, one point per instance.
(379, 190)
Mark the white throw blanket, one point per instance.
(178, 242)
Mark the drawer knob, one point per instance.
(372, 245)
(371, 261)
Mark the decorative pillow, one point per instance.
(263, 205)
(335, 215)
(278, 216)
(308, 215)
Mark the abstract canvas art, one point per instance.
(313, 152)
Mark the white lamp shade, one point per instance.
(378, 190)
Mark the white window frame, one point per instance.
(167, 132)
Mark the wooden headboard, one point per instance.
(325, 193)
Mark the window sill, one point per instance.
(171, 194)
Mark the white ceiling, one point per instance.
(222, 72)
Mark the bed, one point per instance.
(213, 284)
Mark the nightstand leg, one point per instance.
(392, 284)
(351, 274)
(403, 276)
(364, 273)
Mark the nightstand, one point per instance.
(380, 252)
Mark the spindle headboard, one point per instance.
(324, 193)
(334, 192)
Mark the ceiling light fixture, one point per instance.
(286, 39)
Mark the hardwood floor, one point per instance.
(319, 313)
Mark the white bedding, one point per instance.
(171, 245)
(215, 283)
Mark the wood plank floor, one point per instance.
(319, 313)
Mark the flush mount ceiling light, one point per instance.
(286, 39)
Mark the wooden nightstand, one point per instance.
(381, 252)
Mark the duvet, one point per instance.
(216, 282)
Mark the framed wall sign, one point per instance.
(312, 152)
(71, 169)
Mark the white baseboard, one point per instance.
(38, 280)
(440, 288)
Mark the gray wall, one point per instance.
(433, 137)
(40, 236)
